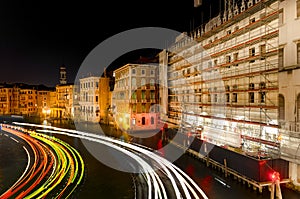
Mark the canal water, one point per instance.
(105, 182)
(13, 161)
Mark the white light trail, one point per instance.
(26, 169)
(14, 139)
(135, 152)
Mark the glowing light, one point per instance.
(189, 189)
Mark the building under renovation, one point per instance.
(229, 80)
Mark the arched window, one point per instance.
(152, 82)
(281, 106)
(143, 82)
(133, 82)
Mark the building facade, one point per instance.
(25, 100)
(89, 99)
(28, 102)
(135, 97)
(235, 80)
(289, 85)
(223, 77)
(63, 107)
(45, 100)
(6, 96)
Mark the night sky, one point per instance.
(36, 37)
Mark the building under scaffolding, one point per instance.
(222, 77)
(234, 81)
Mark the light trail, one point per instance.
(189, 187)
(14, 139)
(26, 169)
(54, 164)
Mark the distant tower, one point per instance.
(63, 75)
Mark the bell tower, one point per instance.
(63, 75)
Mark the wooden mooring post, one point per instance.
(225, 167)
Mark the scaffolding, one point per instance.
(223, 78)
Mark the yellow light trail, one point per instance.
(60, 165)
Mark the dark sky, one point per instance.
(36, 37)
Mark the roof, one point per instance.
(26, 86)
